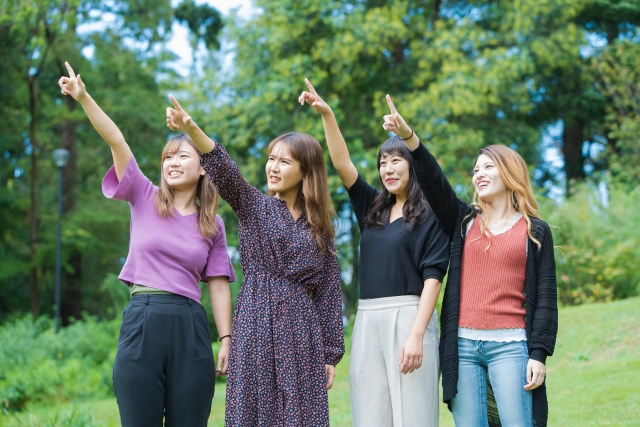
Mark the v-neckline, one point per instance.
(505, 230)
(183, 216)
(283, 203)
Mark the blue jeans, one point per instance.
(506, 364)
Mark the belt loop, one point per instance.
(146, 299)
(189, 300)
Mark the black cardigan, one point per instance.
(540, 284)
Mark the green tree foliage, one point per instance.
(123, 75)
(204, 21)
(617, 74)
(463, 74)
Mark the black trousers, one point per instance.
(164, 365)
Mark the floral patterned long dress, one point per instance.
(287, 321)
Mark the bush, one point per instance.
(36, 364)
(70, 418)
(598, 234)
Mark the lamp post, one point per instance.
(60, 157)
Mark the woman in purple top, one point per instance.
(164, 365)
(287, 328)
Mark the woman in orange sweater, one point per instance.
(499, 313)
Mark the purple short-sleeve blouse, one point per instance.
(165, 253)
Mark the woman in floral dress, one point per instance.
(287, 333)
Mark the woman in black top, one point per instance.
(502, 189)
(403, 259)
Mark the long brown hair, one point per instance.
(206, 194)
(515, 175)
(314, 197)
(415, 205)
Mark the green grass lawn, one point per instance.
(593, 379)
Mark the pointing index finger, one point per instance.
(391, 106)
(310, 86)
(175, 103)
(70, 70)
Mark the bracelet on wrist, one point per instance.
(224, 336)
(409, 137)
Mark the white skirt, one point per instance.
(380, 395)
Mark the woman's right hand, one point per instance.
(178, 119)
(72, 85)
(395, 123)
(312, 98)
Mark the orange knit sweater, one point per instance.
(492, 281)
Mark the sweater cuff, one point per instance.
(539, 355)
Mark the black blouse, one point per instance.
(540, 283)
(395, 261)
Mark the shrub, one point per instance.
(598, 233)
(70, 418)
(36, 364)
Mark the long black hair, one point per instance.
(416, 204)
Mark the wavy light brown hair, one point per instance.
(515, 175)
(206, 194)
(313, 197)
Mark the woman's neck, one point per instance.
(185, 201)
(499, 208)
(398, 207)
(291, 197)
(400, 199)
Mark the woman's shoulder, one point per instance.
(539, 227)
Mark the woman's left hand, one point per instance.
(536, 372)
(223, 358)
(411, 354)
(330, 370)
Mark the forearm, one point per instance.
(220, 296)
(197, 135)
(107, 129)
(338, 150)
(413, 142)
(110, 132)
(425, 307)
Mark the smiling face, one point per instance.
(394, 173)
(181, 169)
(284, 174)
(487, 180)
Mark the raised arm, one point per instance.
(74, 86)
(220, 169)
(338, 150)
(434, 184)
(178, 119)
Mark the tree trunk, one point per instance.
(573, 138)
(71, 304)
(33, 207)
